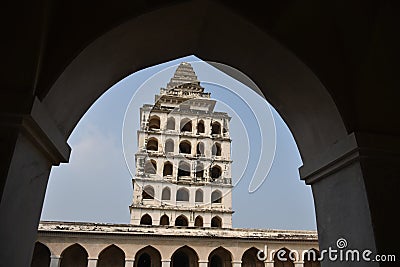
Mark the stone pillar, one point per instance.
(298, 264)
(236, 263)
(30, 144)
(203, 263)
(268, 264)
(165, 262)
(129, 262)
(54, 261)
(92, 262)
(354, 183)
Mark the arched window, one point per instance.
(146, 220)
(164, 220)
(216, 221)
(199, 195)
(186, 125)
(166, 194)
(169, 146)
(181, 221)
(150, 167)
(216, 128)
(185, 147)
(200, 127)
(152, 144)
(216, 197)
(216, 149)
(148, 192)
(216, 172)
(200, 149)
(183, 169)
(171, 124)
(182, 195)
(167, 168)
(199, 170)
(198, 222)
(154, 123)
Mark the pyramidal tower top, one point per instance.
(183, 161)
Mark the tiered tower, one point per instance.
(183, 163)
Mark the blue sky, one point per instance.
(96, 185)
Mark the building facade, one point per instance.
(181, 212)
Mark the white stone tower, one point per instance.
(183, 162)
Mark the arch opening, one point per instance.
(185, 147)
(164, 220)
(154, 123)
(186, 125)
(183, 169)
(41, 255)
(152, 144)
(148, 257)
(168, 168)
(74, 256)
(181, 220)
(170, 124)
(111, 256)
(182, 194)
(184, 257)
(148, 192)
(198, 222)
(166, 194)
